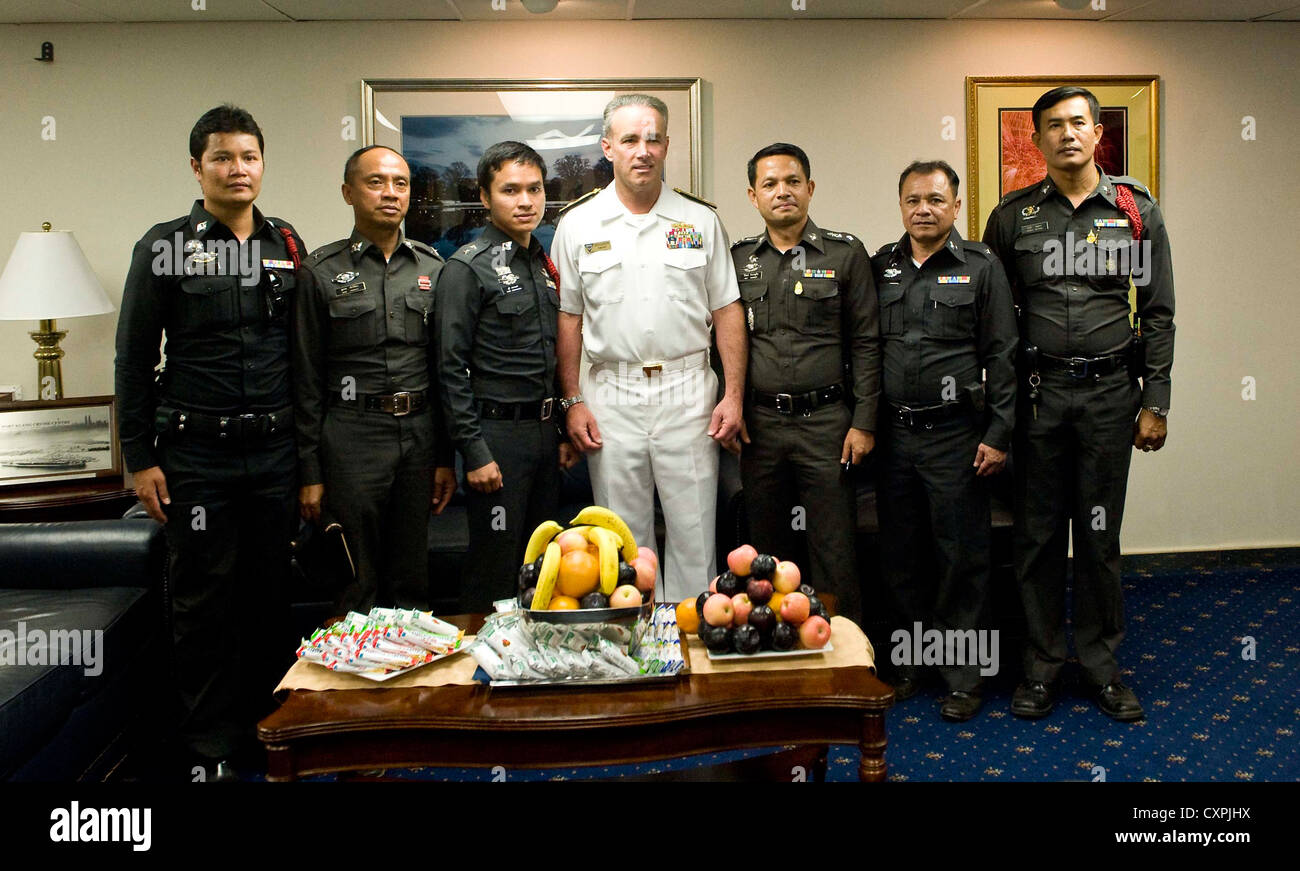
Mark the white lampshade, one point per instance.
(48, 277)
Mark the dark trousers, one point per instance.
(500, 523)
(233, 513)
(935, 532)
(1071, 466)
(792, 461)
(377, 470)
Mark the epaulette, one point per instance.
(326, 251)
(840, 237)
(417, 245)
(580, 200)
(979, 247)
(746, 241)
(1017, 194)
(693, 198)
(466, 253)
(887, 248)
(1133, 183)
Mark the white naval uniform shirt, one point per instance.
(646, 289)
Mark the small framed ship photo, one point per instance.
(58, 440)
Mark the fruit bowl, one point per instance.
(618, 616)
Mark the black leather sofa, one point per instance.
(63, 722)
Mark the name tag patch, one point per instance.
(351, 288)
(1034, 228)
(819, 273)
(954, 279)
(277, 264)
(593, 247)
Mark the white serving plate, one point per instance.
(771, 654)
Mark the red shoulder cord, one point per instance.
(552, 271)
(1128, 205)
(297, 258)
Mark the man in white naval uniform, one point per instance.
(645, 272)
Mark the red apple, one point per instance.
(644, 552)
(570, 540)
(787, 578)
(814, 633)
(740, 607)
(645, 574)
(717, 610)
(713, 585)
(740, 558)
(795, 608)
(626, 596)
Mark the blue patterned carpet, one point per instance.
(1212, 715)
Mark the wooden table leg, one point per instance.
(872, 768)
(279, 763)
(819, 767)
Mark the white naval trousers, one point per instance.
(654, 434)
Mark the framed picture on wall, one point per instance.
(1001, 156)
(58, 440)
(443, 127)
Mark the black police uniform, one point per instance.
(367, 409)
(942, 325)
(814, 371)
(1072, 446)
(498, 307)
(220, 426)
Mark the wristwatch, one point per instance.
(1157, 410)
(569, 401)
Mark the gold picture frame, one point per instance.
(1000, 158)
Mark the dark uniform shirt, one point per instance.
(227, 341)
(497, 319)
(1067, 314)
(950, 319)
(363, 318)
(806, 326)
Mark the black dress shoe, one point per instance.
(1118, 702)
(905, 688)
(960, 706)
(1033, 699)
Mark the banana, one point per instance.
(597, 515)
(608, 544)
(546, 577)
(584, 531)
(540, 538)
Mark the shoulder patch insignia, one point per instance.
(579, 201)
(693, 198)
(835, 234)
(887, 248)
(748, 240)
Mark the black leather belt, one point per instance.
(1083, 367)
(799, 403)
(234, 427)
(927, 417)
(396, 404)
(493, 410)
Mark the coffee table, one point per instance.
(480, 726)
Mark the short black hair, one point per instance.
(926, 167)
(223, 119)
(356, 155)
(502, 153)
(777, 149)
(1065, 92)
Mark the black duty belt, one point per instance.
(396, 404)
(927, 417)
(1083, 367)
(799, 403)
(493, 410)
(234, 427)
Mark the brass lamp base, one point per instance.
(49, 371)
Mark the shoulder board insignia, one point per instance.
(748, 240)
(1015, 195)
(467, 253)
(326, 250)
(1133, 183)
(579, 201)
(693, 198)
(836, 234)
(887, 248)
(417, 245)
(980, 247)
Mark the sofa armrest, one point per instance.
(81, 554)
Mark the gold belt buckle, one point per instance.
(652, 367)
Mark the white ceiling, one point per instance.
(110, 11)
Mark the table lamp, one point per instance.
(48, 277)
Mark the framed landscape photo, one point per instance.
(1001, 156)
(443, 126)
(58, 440)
